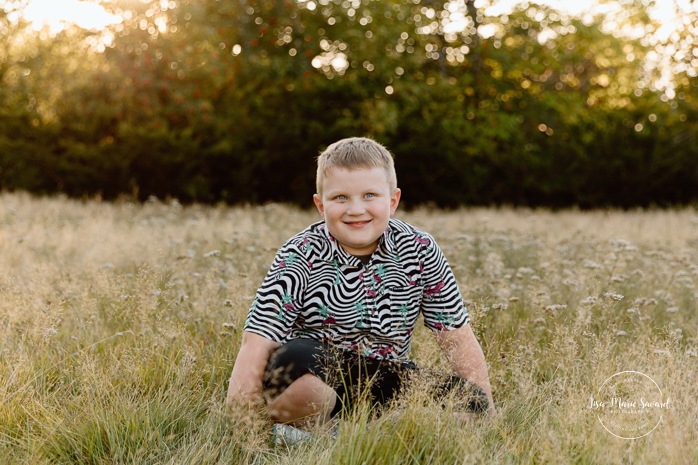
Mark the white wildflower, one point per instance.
(524, 270)
(591, 300)
(620, 332)
(212, 253)
(50, 332)
(614, 296)
(591, 265)
(672, 309)
(621, 245)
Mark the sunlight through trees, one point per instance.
(205, 100)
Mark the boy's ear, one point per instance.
(318, 203)
(395, 200)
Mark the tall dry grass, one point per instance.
(119, 324)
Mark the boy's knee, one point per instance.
(307, 397)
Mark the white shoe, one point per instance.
(289, 435)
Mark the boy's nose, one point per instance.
(356, 207)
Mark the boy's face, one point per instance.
(356, 205)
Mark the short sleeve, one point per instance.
(280, 297)
(442, 304)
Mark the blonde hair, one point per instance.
(353, 153)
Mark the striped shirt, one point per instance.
(314, 289)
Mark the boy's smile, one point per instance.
(357, 205)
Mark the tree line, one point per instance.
(212, 101)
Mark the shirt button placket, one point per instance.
(371, 292)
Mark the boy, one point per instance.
(333, 319)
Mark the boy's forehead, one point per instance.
(367, 173)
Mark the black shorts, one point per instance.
(355, 377)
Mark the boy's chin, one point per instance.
(359, 249)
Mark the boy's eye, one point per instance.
(370, 195)
(341, 197)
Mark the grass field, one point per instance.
(119, 324)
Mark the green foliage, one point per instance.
(209, 101)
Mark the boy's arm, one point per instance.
(245, 386)
(466, 357)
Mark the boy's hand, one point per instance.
(245, 388)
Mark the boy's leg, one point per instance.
(294, 384)
(306, 379)
(468, 397)
(307, 401)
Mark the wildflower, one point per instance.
(555, 307)
(620, 332)
(621, 245)
(591, 265)
(591, 300)
(230, 326)
(524, 270)
(614, 296)
(50, 332)
(672, 309)
(212, 253)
